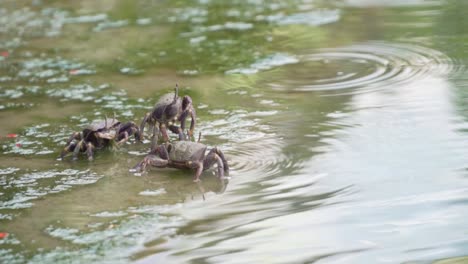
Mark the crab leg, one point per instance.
(164, 132)
(152, 160)
(199, 166)
(155, 138)
(69, 148)
(162, 152)
(136, 131)
(77, 149)
(177, 130)
(143, 123)
(89, 151)
(193, 116)
(223, 159)
(216, 156)
(123, 134)
(75, 135)
(183, 118)
(126, 130)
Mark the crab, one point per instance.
(100, 134)
(185, 155)
(169, 109)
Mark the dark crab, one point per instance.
(185, 155)
(169, 109)
(100, 134)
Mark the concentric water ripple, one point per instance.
(263, 158)
(364, 67)
(257, 151)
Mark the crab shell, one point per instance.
(166, 109)
(102, 128)
(102, 124)
(187, 151)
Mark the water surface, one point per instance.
(344, 123)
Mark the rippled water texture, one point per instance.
(365, 67)
(344, 124)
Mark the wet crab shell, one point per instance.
(103, 127)
(187, 151)
(102, 124)
(166, 109)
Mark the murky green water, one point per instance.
(344, 122)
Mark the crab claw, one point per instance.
(106, 135)
(140, 167)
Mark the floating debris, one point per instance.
(81, 72)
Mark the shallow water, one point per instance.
(344, 123)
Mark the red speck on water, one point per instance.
(19, 145)
(4, 54)
(12, 135)
(3, 235)
(73, 72)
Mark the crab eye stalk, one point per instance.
(176, 91)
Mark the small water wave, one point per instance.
(252, 147)
(33, 185)
(38, 69)
(263, 158)
(50, 22)
(123, 237)
(364, 67)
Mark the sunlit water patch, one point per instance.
(361, 68)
